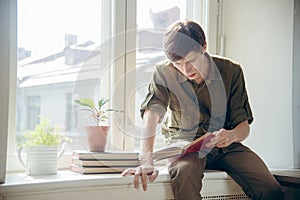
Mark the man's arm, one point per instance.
(146, 169)
(150, 121)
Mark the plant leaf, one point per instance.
(102, 102)
(43, 134)
(86, 102)
(114, 110)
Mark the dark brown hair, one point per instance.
(183, 37)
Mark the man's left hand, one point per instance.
(222, 138)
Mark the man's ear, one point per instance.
(204, 48)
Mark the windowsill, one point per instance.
(288, 178)
(78, 186)
(67, 179)
(66, 176)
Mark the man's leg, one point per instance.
(250, 172)
(186, 177)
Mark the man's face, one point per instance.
(193, 66)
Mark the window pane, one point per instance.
(33, 112)
(56, 41)
(153, 17)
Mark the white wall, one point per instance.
(296, 85)
(259, 35)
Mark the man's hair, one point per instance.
(183, 37)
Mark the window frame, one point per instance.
(7, 53)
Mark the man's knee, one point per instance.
(189, 167)
(183, 170)
(186, 180)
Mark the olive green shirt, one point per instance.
(187, 110)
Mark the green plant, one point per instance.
(97, 111)
(44, 134)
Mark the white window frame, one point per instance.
(7, 53)
(119, 20)
(124, 54)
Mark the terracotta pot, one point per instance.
(97, 137)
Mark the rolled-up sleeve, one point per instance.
(238, 106)
(157, 97)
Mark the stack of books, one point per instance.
(86, 162)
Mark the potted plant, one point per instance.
(96, 135)
(42, 146)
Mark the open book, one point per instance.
(182, 147)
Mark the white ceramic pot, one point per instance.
(41, 160)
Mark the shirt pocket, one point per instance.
(185, 117)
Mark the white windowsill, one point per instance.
(75, 186)
(19, 182)
(66, 177)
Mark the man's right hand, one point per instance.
(143, 172)
(146, 171)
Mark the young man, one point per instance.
(194, 93)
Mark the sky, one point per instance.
(42, 24)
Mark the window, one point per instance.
(55, 40)
(58, 58)
(70, 115)
(153, 19)
(33, 111)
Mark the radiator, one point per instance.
(227, 197)
(223, 197)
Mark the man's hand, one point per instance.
(142, 172)
(146, 171)
(222, 138)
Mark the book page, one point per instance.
(175, 149)
(173, 146)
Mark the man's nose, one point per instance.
(187, 67)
